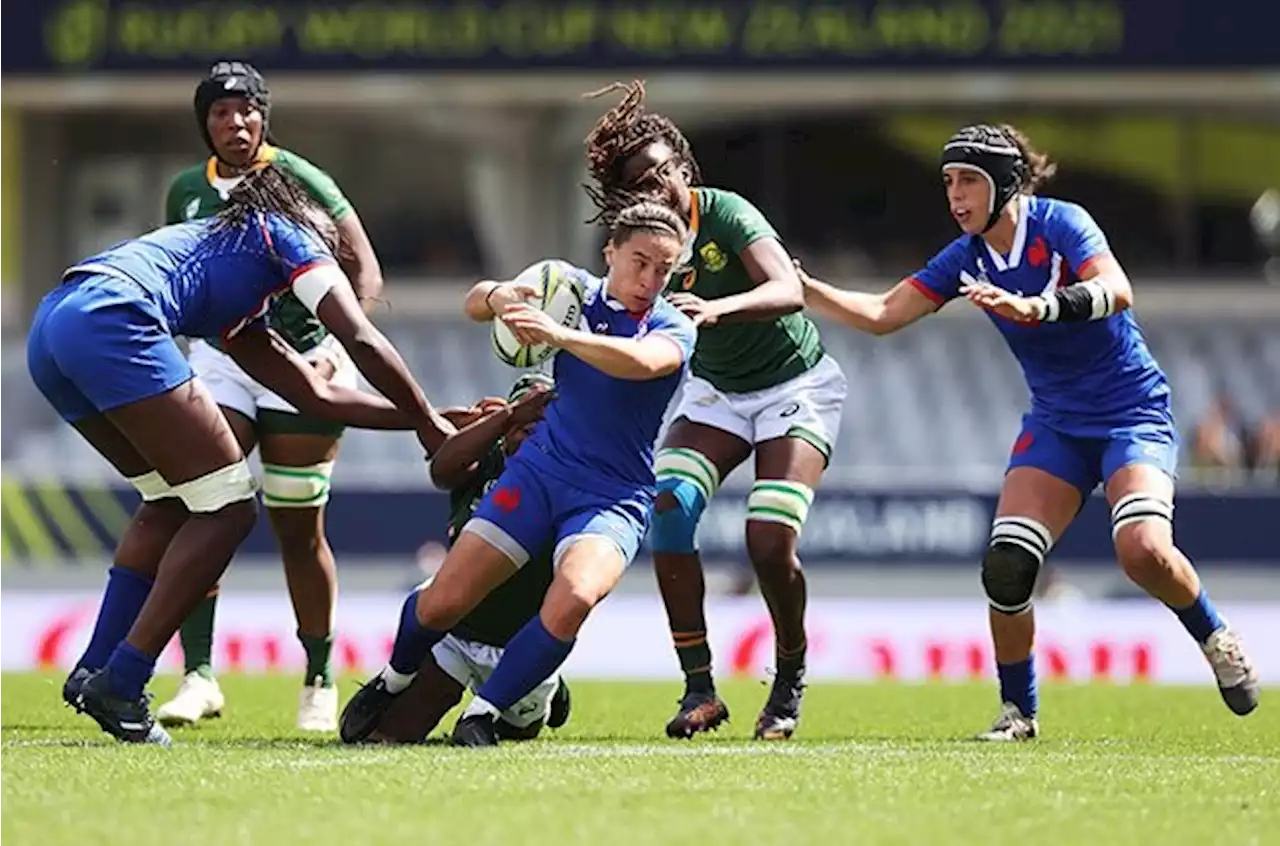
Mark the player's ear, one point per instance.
(608, 254)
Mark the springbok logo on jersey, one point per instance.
(193, 208)
(713, 257)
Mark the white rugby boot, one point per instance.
(318, 707)
(1010, 726)
(198, 698)
(1237, 677)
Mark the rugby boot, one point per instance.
(1237, 677)
(1011, 726)
(128, 721)
(699, 711)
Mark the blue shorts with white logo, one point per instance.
(1086, 462)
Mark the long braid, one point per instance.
(270, 190)
(621, 132)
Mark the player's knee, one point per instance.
(296, 487)
(441, 606)
(1142, 528)
(1013, 559)
(686, 482)
(149, 534)
(776, 513)
(230, 489)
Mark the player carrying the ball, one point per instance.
(469, 653)
(581, 487)
(761, 382)
(1100, 406)
(233, 108)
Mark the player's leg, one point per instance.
(435, 690)
(705, 443)
(199, 696)
(795, 428)
(473, 663)
(1139, 487)
(511, 523)
(594, 545)
(1048, 478)
(111, 346)
(297, 461)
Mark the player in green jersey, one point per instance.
(760, 383)
(232, 106)
(468, 654)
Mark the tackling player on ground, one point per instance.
(468, 654)
(102, 351)
(761, 383)
(1100, 408)
(233, 108)
(581, 487)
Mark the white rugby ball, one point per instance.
(560, 298)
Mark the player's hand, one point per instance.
(530, 407)
(1004, 303)
(510, 293)
(462, 417)
(533, 326)
(325, 364)
(805, 278)
(703, 312)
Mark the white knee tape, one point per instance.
(151, 486)
(215, 491)
(780, 501)
(1137, 507)
(296, 487)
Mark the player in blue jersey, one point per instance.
(102, 350)
(581, 487)
(1100, 409)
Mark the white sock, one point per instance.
(479, 707)
(394, 681)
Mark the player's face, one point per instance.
(659, 173)
(968, 197)
(235, 126)
(640, 267)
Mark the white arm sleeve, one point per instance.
(311, 285)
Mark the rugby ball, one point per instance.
(560, 298)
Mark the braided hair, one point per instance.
(649, 218)
(270, 190)
(622, 132)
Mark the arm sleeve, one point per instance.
(939, 280)
(319, 185)
(679, 329)
(1074, 233)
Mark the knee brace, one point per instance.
(1012, 562)
(780, 501)
(296, 487)
(692, 480)
(215, 491)
(1137, 507)
(151, 486)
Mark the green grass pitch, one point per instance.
(871, 764)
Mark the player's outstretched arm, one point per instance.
(359, 261)
(877, 314)
(272, 362)
(451, 464)
(778, 290)
(326, 292)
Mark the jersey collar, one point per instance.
(1019, 239)
(266, 155)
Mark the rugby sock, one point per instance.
(530, 656)
(413, 642)
(1018, 685)
(791, 661)
(121, 601)
(695, 660)
(196, 637)
(1200, 617)
(319, 659)
(128, 670)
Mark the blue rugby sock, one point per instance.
(1200, 617)
(128, 670)
(532, 655)
(1018, 685)
(121, 601)
(413, 640)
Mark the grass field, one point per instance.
(871, 764)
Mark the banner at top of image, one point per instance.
(56, 36)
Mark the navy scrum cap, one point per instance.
(231, 79)
(991, 152)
